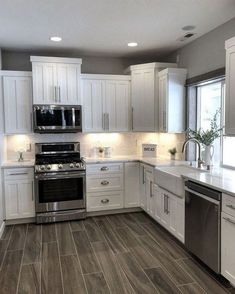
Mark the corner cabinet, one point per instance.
(56, 80)
(230, 87)
(172, 100)
(106, 103)
(144, 95)
(17, 95)
(19, 193)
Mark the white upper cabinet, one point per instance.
(230, 87)
(172, 100)
(56, 80)
(144, 95)
(17, 94)
(106, 103)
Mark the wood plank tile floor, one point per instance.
(127, 253)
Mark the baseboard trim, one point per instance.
(28, 220)
(114, 211)
(2, 228)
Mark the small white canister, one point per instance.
(107, 152)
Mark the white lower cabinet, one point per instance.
(169, 212)
(19, 193)
(132, 187)
(228, 238)
(146, 182)
(104, 186)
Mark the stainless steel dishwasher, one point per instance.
(202, 223)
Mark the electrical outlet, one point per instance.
(28, 147)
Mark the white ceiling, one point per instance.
(104, 27)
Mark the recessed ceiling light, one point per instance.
(132, 44)
(188, 28)
(56, 39)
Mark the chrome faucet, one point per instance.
(199, 161)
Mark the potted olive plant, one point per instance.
(207, 137)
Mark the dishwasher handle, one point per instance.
(202, 196)
(203, 190)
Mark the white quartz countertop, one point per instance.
(153, 161)
(221, 179)
(16, 164)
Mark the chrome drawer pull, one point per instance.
(105, 201)
(231, 206)
(104, 168)
(229, 220)
(104, 183)
(16, 174)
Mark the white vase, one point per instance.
(209, 152)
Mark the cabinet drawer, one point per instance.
(104, 168)
(18, 173)
(97, 183)
(104, 201)
(228, 204)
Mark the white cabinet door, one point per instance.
(157, 201)
(68, 83)
(227, 247)
(163, 93)
(149, 193)
(17, 104)
(165, 217)
(93, 92)
(143, 201)
(143, 100)
(11, 200)
(19, 193)
(132, 187)
(45, 89)
(230, 91)
(180, 219)
(26, 198)
(117, 105)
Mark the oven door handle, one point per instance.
(57, 177)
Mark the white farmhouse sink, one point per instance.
(169, 177)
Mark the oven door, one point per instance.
(60, 191)
(60, 119)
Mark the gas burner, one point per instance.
(66, 159)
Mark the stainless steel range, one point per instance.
(60, 188)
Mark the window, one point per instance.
(209, 101)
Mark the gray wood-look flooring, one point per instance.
(125, 253)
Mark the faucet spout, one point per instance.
(199, 161)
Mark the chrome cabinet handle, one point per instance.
(132, 118)
(104, 168)
(229, 220)
(143, 176)
(166, 204)
(104, 183)
(16, 174)
(103, 121)
(32, 193)
(105, 201)
(55, 93)
(151, 189)
(231, 206)
(59, 94)
(164, 120)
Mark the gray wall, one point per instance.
(17, 60)
(206, 53)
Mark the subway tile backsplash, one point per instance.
(121, 143)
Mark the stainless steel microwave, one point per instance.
(57, 118)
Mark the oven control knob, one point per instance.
(71, 165)
(42, 167)
(78, 165)
(48, 166)
(60, 166)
